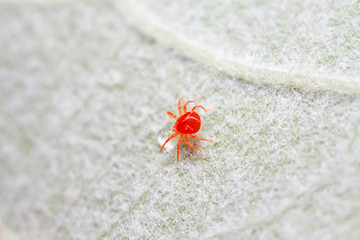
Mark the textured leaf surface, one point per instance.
(83, 109)
(308, 44)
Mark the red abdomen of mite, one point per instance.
(188, 123)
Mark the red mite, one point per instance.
(186, 125)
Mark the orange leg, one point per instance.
(178, 146)
(189, 144)
(202, 139)
(179, 106)
(199, 106)
(172, 115)
(171, 137)
(188, 103)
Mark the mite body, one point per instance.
(186, 125)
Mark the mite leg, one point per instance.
(171, 137)
(171, 115)
(199, 106)
(179, 106)
(178, 146)
(202, 139)
(188, 103)
(189, 144)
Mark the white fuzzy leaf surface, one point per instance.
(305, 43)
(83, 101)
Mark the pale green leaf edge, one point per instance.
(143, 20)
